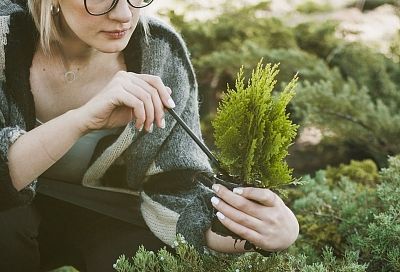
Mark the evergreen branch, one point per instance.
(252, 130)
(330, 216)
(348, 118)
(357, 122)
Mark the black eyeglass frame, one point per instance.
(114, 3)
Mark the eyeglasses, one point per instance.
(100, 7)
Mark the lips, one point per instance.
(116, 34)
(118, 30)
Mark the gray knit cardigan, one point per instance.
(160, 166)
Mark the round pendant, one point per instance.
(70, 76)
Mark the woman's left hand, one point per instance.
(257, 215)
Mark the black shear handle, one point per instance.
(203, 147)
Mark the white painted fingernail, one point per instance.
(141, 127)
(215, 187)
(220, 216)
(171, 103)
(214, 200)
(163, 123)
(151, 128)
(238, 191)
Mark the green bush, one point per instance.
(319, 39)
(368, 69)
(313, 7)
(328, 214)
(372, 4)
(308, 66)
(353, 215)
(188, 259)
(349, 221)
(362, 172)
(359, 110)
(351, 115)
(379, 243)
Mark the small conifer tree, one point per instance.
(253, 130)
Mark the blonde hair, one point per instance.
(48, 25)
(45, 22)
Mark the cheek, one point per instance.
(83, 31)
(85, 28)
(77, 19)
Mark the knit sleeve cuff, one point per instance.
(188, 214)
(196, 219)
(9, 196)
(8, 136)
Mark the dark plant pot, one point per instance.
(229, 182)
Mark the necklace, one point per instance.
(69, 74)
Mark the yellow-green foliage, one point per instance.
(313, 7)
(323, 232)
(253, 130)
(363, 172)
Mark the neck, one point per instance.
(76, 54)
(77, 61)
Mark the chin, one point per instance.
(106, 45)
(112, 47)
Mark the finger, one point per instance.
(158, 105)
(137, 105)
(239, 202)
(263, 196)
(157, 83)
(147, 100)
(237, 215)
(244, 232)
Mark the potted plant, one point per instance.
(253, 132)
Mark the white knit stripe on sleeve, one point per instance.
(161, 220)
(93, 174)
(4, 30)
(154, 169)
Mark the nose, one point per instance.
(121, 12)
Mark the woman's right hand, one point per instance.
(128, 96)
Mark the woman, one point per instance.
(81, 89)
